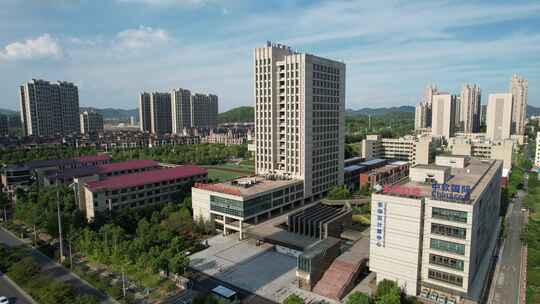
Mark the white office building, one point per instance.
(299, 144)
(519, 89)
(436, 233)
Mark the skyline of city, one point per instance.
(212, 56)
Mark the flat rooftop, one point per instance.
(249, 186)
(476, 175)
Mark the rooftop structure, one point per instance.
(148, 177)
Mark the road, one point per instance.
(505, 289)
(55, 270)
(11, 292)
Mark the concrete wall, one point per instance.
(398, 258)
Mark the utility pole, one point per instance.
(59, 225)
(123, 282)
(70, 254)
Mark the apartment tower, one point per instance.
(423, 111)
(181, 110)
(443, 115)
(299, 117)
(145, 118)
(470, 108)
(49, 108)
(204, 110)
(91, 122)
(519, 89)
(160, 113)
(499, 116)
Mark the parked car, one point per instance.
(4, 300)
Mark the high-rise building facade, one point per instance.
(483, 114)
(49, 108)
(422, 116)
(299, 117)
(499, 116)
(519, 90)
(3, 125)
(204, 111)
(470, 98)
(160, 113)
(145, 117)
(423, 111)
(91, 122)
(443, 115)
(181, 110)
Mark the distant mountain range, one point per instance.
(379, 111)
(246, 114)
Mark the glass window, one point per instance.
(451, 231)
(447, 246)
(445, 261)
(445, 277)
(449, 215)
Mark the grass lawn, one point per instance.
(222, 175)
(243, 167)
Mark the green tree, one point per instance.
(55, 292)
(358, 298)
(339, 193)
(24, 270)
(293, 299)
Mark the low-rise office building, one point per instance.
(388, 174)
(483, 148)
(436, 233)
(413, 149)
(231, 204)
(140, 189)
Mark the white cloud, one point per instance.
(185, 3)
(141, 37)
(42, 47)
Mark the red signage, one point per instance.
(402, 190)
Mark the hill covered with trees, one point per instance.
(240, 114)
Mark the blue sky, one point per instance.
(113, 49)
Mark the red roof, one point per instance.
(92, 158)
(127, 165)
(147, 177)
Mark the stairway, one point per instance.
(336, 281)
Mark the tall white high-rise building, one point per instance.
(499, 116)
(145, 117)
(470, 99)
(160, 113)
(519, 89)
(299, 117)
(181, 110)
(443, 115)
(49, 108)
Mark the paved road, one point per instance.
(54, 269)
(9, 291)
(507, 276)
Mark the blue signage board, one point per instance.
(451, 192)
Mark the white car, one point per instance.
(4, 300)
